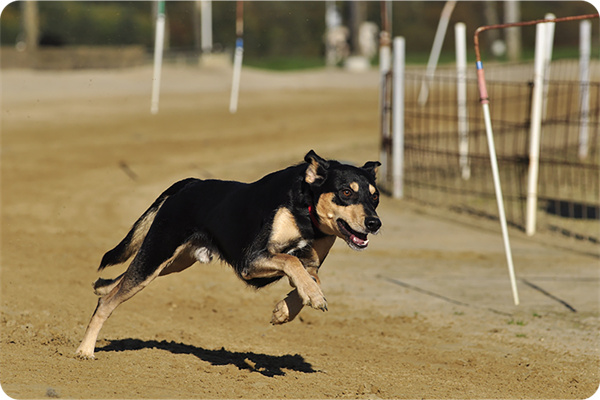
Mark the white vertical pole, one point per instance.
(500, 201)
(206, 25)
(549, 40)
(385, 61)
(398, 119)
(435, 50)
(512, 13)
(237, 58)
(536, 128)
(237, 71)
(332, 21)
(461, 95)
(484, 99)
(585, 39)
(158, 55)
(385, 82)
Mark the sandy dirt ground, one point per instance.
(425, 312)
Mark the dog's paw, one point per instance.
(288, 308)
(319, 305)
(84, 355)
(281, 313)
(312, 295)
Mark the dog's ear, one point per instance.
(371, 167)
(317, 168)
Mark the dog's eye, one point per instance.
(347, 193)
(375, 196)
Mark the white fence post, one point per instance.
(536, 127)
(438, 40)
(158, 56)
(549, 40)
(206, 26)
(398, 119)
(460, 38)
(385, 61)
(585, 39)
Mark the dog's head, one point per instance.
(345, 198)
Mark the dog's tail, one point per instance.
(133, 241)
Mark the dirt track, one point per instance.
(425, 312)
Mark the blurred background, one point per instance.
(277, 34)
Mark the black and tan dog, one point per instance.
(281, 225)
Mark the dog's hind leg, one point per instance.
(105, 307)
(126, 287)
(102, 287)
(132, 242)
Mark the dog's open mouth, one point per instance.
(354, 239)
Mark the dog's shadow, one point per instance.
(264, 364)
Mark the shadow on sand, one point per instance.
(264, 364)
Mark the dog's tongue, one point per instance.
(358, 241)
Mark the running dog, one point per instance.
(281, 225)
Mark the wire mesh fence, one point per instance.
(568, 187)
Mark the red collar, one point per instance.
(313, 217)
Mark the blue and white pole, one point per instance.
(237, 58)
(485, 104)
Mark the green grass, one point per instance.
(283, 63)
(448, 56)
(517, 322)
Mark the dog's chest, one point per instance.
(285, 235)
(299, 248)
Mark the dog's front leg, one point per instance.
(287, 309)
(311, 264)
(290, 266)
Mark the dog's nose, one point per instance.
(373, 224)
